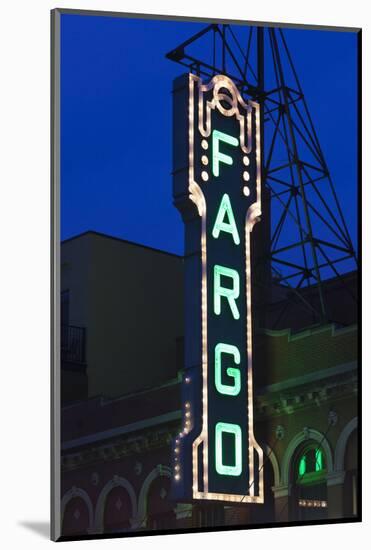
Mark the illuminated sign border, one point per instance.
(252, 216)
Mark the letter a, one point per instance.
(225, 210)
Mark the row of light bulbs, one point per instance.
(185, 431)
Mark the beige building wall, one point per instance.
(130, 299)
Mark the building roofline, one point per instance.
(312, 330)
(126, 241)
(122, 430)
(105, 400)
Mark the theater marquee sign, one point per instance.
(217, 190)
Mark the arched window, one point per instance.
(311, 462)
(309, 494)
(75, 518)
(117, 511)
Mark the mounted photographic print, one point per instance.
(205, 214)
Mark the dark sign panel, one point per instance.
(217, 190)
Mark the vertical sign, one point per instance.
(217, 190)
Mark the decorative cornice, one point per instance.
(120, 448)
(292, 398)
(292, 336)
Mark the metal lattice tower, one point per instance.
(304, 240)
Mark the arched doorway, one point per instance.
(160, 510)
(309, 483)
(117, 511)
(76, 517)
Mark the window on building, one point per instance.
(311, 461)
(309, 498)
(117, 511)
(75, 518)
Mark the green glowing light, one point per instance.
(232, 372)
(225, 469)
(317, 467)
(302, 465)
(219, 157)
(225, 209)
(319, 460)
(230, 293)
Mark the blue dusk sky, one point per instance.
(116, 122)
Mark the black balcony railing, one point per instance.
(72, 344)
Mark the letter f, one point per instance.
(219, 157)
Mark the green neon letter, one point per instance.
(230, 293)
(221, 157)
(224, 469)
(234, 373)
(225, 208)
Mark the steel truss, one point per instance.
(307, 236)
